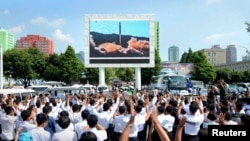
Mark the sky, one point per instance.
(128, 27)
(194, 24)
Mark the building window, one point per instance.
(208, 54)
(214, 53)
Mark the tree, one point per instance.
(39, 61)
(223, 73)
(184, 57)
(109, 75)
(125, 74)
(92, 75)
(71, 67)
(187, 57)
(237, 76)
(52, 71)
(147, 73)
(248, 26)
(204, 71)
(25, 65)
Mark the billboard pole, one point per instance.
(101, 76)
(1, 67)
(138, 78)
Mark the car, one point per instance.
(203, 91)
(184, 92)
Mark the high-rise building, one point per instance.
(215, 55)
(6, 40)
(42, 43)
(231, 54)
(173, 54)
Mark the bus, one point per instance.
(39, 88)
(20, 93)
(169, 82)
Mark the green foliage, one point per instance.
(231, 76)
(52, 71)
(125, 74)
(92, 75)
(24, 64)
(147, 73)
(109, 75)
(70, 66)
(204, 71)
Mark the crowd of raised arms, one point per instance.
(118, 116)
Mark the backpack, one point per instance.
(25, 136)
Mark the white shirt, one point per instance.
(75, 117)
(39, 134)
(8, 124)
(58, 128)
(120, 123)
(166, 121)
(104, 118)
(193, 122)
(26, 126)
(141, 121)
(230, 122)
(64, 135)
(205, 124)
(100, 134)
(79, 127)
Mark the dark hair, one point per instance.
(85, 114)
(64, 113)
(224, 109)
(122, 109)
(245, 119)
(193, 107)
(41, 118)
(26, 114)
(8, 110)
(138, 108)
(47, 109)
(88, 136)
(92, 120)
(211, 107)
(106, 106)
(228, 116)
(160, 109)
(75, 108)
(169, 109)
(212, 116)
(64, 122)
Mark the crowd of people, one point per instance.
(119, 116)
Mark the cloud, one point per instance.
(17, 29)
(58, 35)
(6, 12)
(220, 36)
(45, 21)
(213, 1)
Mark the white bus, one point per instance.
(20, 93)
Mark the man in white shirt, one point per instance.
(38, 133)
(65, 134)
(96, 128)
(82, 124)
(8, 122)
(193, 120)
(27, 116)
(105, 117)
(75, 116)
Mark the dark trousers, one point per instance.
(191, 138)
(116, 136)
(142, 135)
(110, 133)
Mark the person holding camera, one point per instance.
(221, 84)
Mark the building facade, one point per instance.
(6, 40)
(42, 43)
(215, 55)
(173, 54)
(237, 66)
(231, 54)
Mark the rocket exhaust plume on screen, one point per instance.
(120, 36)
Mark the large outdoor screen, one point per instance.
(119, 41)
